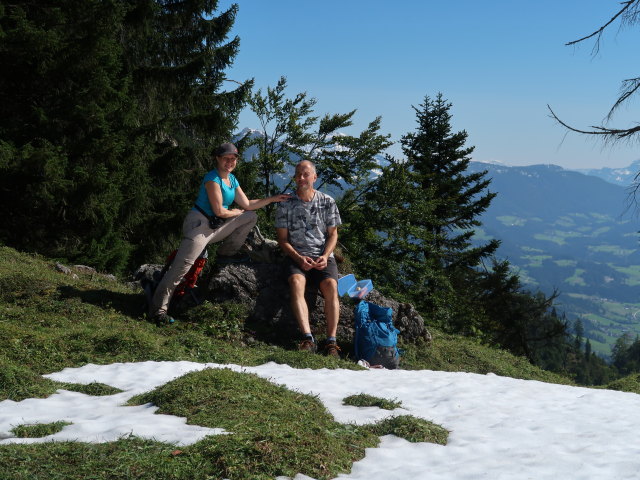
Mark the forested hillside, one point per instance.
(575, 233)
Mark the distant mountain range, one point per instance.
(618, 176)
(574, 232)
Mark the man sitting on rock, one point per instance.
(307, 232)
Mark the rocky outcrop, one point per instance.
(83, 270)
(263, 288)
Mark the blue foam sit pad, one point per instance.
(354, 288)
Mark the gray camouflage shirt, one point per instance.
(307, 222)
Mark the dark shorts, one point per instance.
(313, 275)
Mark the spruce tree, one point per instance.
(177, 51)
(438, 159)
(65, 109)
(108, 113)
(417, 220)
(579, 335)
(381, 232)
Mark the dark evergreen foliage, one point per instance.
(381, 231)
(517, 320)
(412, 229)
(566, 355)
(626, 354)
(439, 160)
(108, 112)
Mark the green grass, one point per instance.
(50, 321)
(630, 383)
(94, 389)
(535, 261)
(616, 250)
(550, 238)
(481, 235)
(565, 263)
(566, 234)
(364, 400)
(272, 430)
(18, 383)
(451, 353)
(38, 430)
(632, 273)
(565, 222)
(599, 217)
(509, 220)
(411, 429)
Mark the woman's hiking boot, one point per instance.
(162, 319)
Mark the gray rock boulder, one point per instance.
(263, 288)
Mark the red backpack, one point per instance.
(190, 279)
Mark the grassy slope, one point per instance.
(49, 320)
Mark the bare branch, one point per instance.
(608, 133)
(632, 197)
(568, 127)
(598, 32)
(629, 87)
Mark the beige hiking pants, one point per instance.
(196, 235)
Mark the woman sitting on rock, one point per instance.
(211, 220)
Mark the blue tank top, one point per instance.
(228, 193)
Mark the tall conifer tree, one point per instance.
(438, 159)
(177, 52)
(108, 111)
(412, 230)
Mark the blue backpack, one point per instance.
(376, 338)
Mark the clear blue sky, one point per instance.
(498, 62)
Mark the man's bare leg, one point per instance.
(329, 289)
(297, 284)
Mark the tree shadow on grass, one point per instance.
(130, 304)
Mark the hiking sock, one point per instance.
(330, 340)
(309, 336)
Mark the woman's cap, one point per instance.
(226, 149)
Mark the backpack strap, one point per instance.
(214, 221)
(199, 208)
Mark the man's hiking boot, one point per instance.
(307, 345)
(331, 349)
(162, 319)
